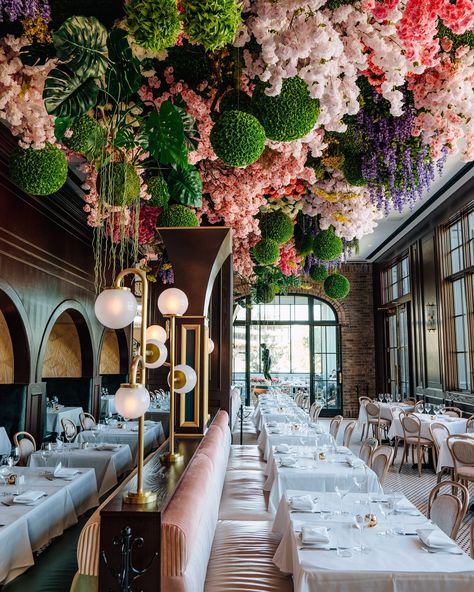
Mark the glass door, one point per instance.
(398, 351)
(327, 385)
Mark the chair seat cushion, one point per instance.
(245, 458)
(242, 559)
(466, 473)
(414, 440)
(243, 497)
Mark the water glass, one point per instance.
(344, 542)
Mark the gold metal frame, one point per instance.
(197, 367)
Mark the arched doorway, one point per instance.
(302, 335)
(113, 366)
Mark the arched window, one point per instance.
(301, 334)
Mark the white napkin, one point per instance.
(303, 503)
(272, 424)
(314, 535)
(63, 473)
(288, 461)
(342, 450)
(275, 430)
(356, 463)
(282, 448)
(28, 497)
(403, 506)
(435, 538)
(106, 447)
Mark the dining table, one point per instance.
(26, 528)
(5, 444)
(55, 415)
(445, 458)
(159, 414)
(401, 551)
(455, 425)
(385, 410)
(305, 433)
(107, 405)
(109, 461)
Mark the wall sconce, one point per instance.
(430, 316)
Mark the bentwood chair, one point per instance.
(380, 461)
(367, 448)
(470, 424)
(411, 426)
(87, 420)
(335, 425)
(462, 451)
(69, 428)
(409, 401)
(447, 510)
(453, 411)
(439, 434)
(472, 538)
(348, 431)
(375, 420)
(314, 411)
(25, 442)
(419, 407)
(299, 399)
(362, 403)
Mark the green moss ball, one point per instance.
(88, 137)
(318, 273)
(264, 293)
(327, 246)
(337, 286)
(177, 216)
(266, 252)
(303, 242)
(237, 138)
(290, 115)
(277, 226)
(155, 24)
(235, 100)
(352, 169)
(159, 192)
(118, 184)
(39, 172)
(211, 23)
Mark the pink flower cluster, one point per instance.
(290, 263)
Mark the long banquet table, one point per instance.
(27, 528)
(396, 563)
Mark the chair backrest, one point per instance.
(363, 401)
(372, 409)
(447, 510)
(411, 425)
(470, 424)
(348, 431)
(410, 401)
(314, 411)
(87, 421)
(417, 406)
(366, 449)
(25, 442)
(439, 433)
(69, 427)
(380, 461)
(462, 450)
(453, 411)
(299, 399)
(335, 425)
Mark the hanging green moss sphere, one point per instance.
(118, 184)
(39, 172)
(211, 23)
(264, 293)
(266, 252)
(290, 115)
(327, 246)
(318, 273)
(88, 137)
(159, 192)
(276, 225)
(237, 138)
(177, 216)
(352, 169)
(155, 24)
(337, 286)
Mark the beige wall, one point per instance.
(110, 355)
(6, 353)
(63, 352)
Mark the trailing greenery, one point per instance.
(327, 246)
(235, 100)
(39, 172)
(318, 273)
(290, 115)
(159, 192)
(153, 23)
(177, 216)
(237, 138)
(118, 184)
(211, 23)
(88, 137)
(266, 252)
(337, 286)
(264, 293)
(276, 225)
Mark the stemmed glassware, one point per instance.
(14, 457)
(342, 488)
(45, 452)
(361, 522)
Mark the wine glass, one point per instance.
(45, 452)
(361, 520)
(380, 396)
(342, 488)
(14, 457)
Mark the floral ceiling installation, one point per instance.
(298, 123)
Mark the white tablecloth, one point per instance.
(5, 444)
(394, 563)
(154, 436)
(107, 405)
(305, 435)
(445, 458)
(108, 464)
(385, 410)
(161, 415)
(28, 528)
(53, 418)
(455, 425)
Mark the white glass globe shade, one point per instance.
(210, 346)
(156, 332)
(132, 402)
(115, 308)
(173, 302)
(158, 349)
(186, 378)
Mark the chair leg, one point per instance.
(397, 440)
(420, 459)
(404, 455)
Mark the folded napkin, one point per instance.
(403, 506)
(106, 447)
(275, 430)
(303, 503)
(63, 473)
(282, 448)
(314, 535)
(28, 497)
(288, 461)
(355, 463)
(272, 424)
(435, 538)
(342, 450)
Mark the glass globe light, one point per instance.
(185, 378)
(115, 308)
(156, 332)
(158, 352)
(210, 346)
(173, 301)
(132, 401)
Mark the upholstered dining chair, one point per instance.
(395, 413)
(411, 426)
(453, 411)
(367, 448)
(470, 424)
(314, 411)
(348, 431)
(25, 442)
(380, 461)
(299, 399)
(87, 421)
(375, 421)
(418, 407)
(335, 425)
(447, 510)
(409, 401)
(362, 403)
(69, 428)
(461, 448)
(439, 433)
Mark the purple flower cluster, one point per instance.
(13, 10)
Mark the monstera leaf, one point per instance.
(81, 41)
(191, 134)
(185, 185)
(68, 95)
(123, 76)
(36, 54)
(166, 135)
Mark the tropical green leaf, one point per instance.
(60, 126)
(123, 76)
(81, 41)
(67, 95)
(36, 54)
(191, 134)
(166, 135)
(185, 185)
